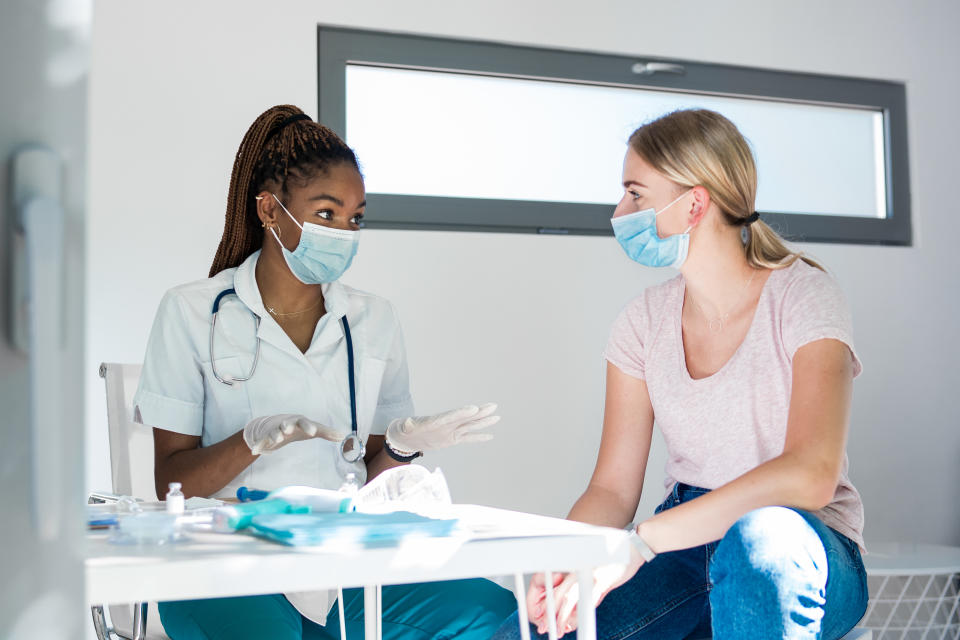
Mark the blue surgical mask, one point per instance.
(637, 234)
(322, 255)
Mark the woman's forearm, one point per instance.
(601, 506)
(205, 470)
(782, 481)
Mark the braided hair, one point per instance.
(281, 144)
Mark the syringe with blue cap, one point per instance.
(284, 500)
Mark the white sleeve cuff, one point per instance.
(168, 414)
(388, 412)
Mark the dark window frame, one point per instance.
(338, 47)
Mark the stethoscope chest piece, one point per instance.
(352, 448)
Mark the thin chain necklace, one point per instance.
(716, 325)
(277, 314)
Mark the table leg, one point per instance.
(520, 590)
(343, 618)
(371, 613)
(586, 614)
(551, 607)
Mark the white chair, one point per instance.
(131, 474)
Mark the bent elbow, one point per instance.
(821, 499)
(817, 490)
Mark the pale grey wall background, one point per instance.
(517, 319)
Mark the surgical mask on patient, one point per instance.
(322, 255)
(637, 234)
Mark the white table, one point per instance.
(220, 565)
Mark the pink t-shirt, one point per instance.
(719, 427)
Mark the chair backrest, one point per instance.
(131, 444)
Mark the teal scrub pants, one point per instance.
(464, 609)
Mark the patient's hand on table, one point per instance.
(537, 598)
(268, 433)
(567, 593)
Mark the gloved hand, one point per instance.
(267, 433)
(410, 435)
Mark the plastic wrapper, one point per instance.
(407, 488)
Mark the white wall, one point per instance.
(522, 319)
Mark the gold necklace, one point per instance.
(716, 325)
(277, 314)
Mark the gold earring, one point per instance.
(273, 226)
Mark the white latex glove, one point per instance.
(266, 433)
(410, 435)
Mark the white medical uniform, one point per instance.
(178, 391)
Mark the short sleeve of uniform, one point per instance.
(627, 338)
(170, 393)
(814, 308)
(394, 400)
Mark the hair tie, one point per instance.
(285, 122)
(749, 220)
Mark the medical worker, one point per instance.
(268, 395)
(745, 360)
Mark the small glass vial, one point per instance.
(175, 500)
(351, 484)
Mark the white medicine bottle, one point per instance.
(351, 484)
(175, 500)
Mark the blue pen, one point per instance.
(249, 495)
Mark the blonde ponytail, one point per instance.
(698, 147)
(766, 249)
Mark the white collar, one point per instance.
(335, 298)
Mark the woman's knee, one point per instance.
(770, 542)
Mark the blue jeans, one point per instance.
(463, 609)
(777, 573)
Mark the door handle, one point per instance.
(37, 320)
(650, 68)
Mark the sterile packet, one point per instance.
(409, 488)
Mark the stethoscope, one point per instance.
(352, 448)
